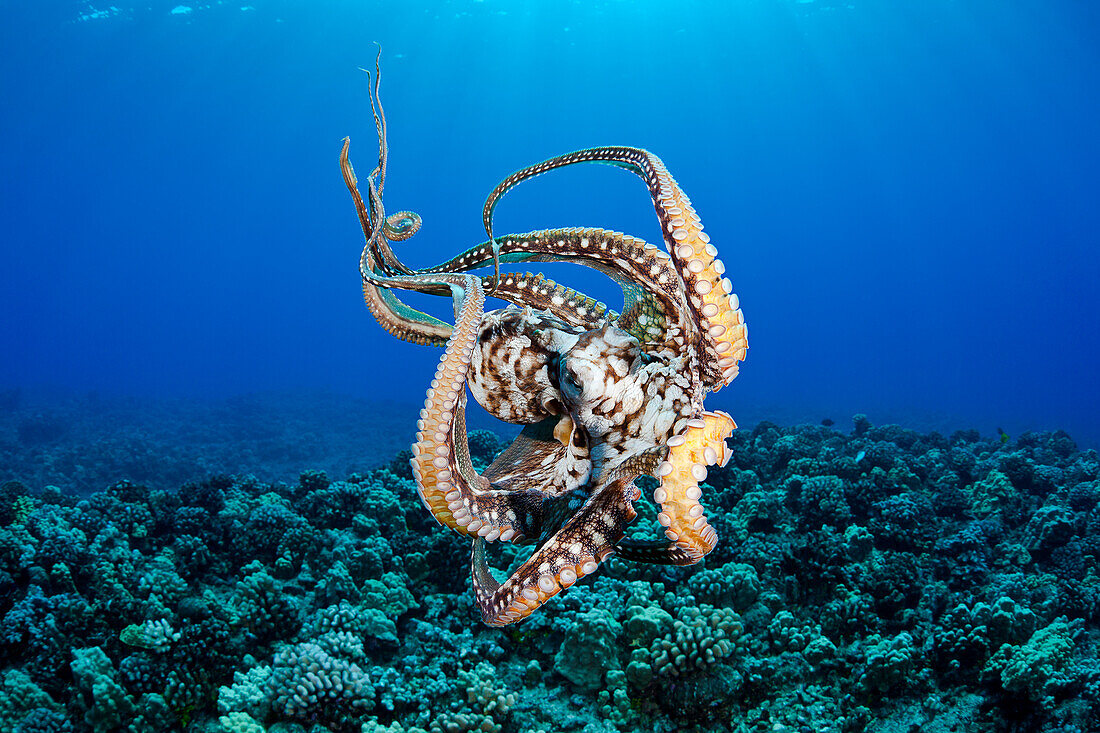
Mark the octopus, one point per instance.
(604, 397)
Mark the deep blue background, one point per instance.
(905, 193)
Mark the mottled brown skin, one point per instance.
(604, 397)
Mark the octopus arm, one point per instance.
(399, 226)
(646, 315)
(403, 321)
(376, 226)
(588, 538)
(641, 269)
(447, 484)
(393, 314)
(541, 293)
(654, 552)
(613, 252)
(715, 308)
(701, 443)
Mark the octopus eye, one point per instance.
(579, 438)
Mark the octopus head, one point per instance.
(513, 368)
(600, 380)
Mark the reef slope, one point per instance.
(881, 579)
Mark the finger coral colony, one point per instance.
(877, 578)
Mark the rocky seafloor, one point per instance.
(877, 579)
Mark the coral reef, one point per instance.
(947, 579)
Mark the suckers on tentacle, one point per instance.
(719, 324)
(702, 443)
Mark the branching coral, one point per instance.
(700, 637)
(334, 618)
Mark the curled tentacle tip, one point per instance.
(402, 225)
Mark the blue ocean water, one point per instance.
(904, 193)
(208, 517)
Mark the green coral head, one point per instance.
(134, 635)
(22, 508)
